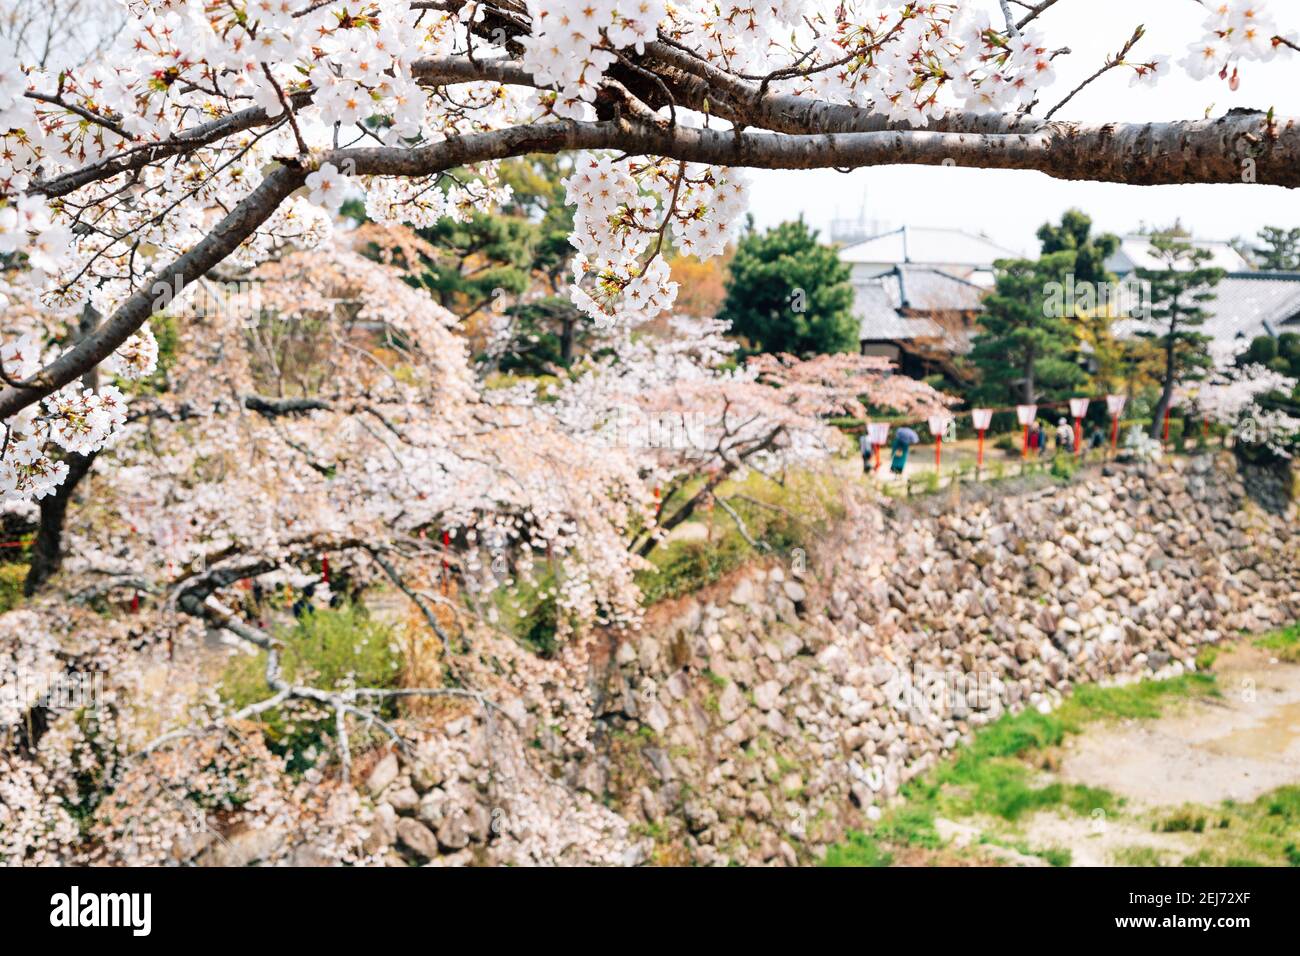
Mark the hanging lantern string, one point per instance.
(913, 422)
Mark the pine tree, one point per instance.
(789, 293)
(1025, 348)
(1109, 356)
(1280, 249)
(1179, 292)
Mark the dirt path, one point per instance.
(1235, 747)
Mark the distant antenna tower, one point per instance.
(845, 231)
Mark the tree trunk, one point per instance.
(1167, 393)
(1028, 397)
(47, 549)
(567, 326)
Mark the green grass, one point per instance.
(1283, 644)
(1263, 832)
(682, 567)
(1183, 821)
(1139, 856)
(995, 774)
(1140, 701)
(1057, 856)
(858, 849)
(781, 517)
(12, 577)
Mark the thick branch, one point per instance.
(1202, 151)
(224, 239)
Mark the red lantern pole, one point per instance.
(939, 424)
(446, 566)
(325, 569)
(1026, 415)
(1114, 405)
(981, 418)
(1078, 437)
(1168, 409)
(876, 452)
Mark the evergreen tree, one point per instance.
(1279, 250)
(1110, 358)
(1179, 292)
(1074, 234)
(1025, 348)
(789, 293)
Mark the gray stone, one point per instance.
(731, 704)
(417, 838)
(383, 773)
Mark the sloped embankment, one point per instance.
(758, 721)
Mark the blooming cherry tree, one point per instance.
(215, 133)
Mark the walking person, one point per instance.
(1064, 437)
(864, 446)
(903, 442)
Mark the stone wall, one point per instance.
(769, 715)
(757, 721)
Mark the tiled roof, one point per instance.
(1135, 252)
(879, 303)
(921, 245)
(1249, 304)
(1245, 306)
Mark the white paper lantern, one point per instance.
(981, 418)
(939, 425)
(1026, 414)
(1079, 407)
(1115, 405)
(878, 433)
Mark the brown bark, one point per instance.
(795, 133)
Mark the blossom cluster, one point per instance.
(78, 421)
(923, 60)
(572, 45)
(628, 213)
(1226, 396)
(1235, 30)
(137, 357)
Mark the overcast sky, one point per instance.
(1009, 205)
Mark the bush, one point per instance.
(1064, 466)
(685, 566)
(1261, 351)
(329, 649)
(529, 610)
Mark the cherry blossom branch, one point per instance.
(740, 526)
(1197, 151)
(401, 584)
(1034, 13)
(1110, 64)
(225, 237)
